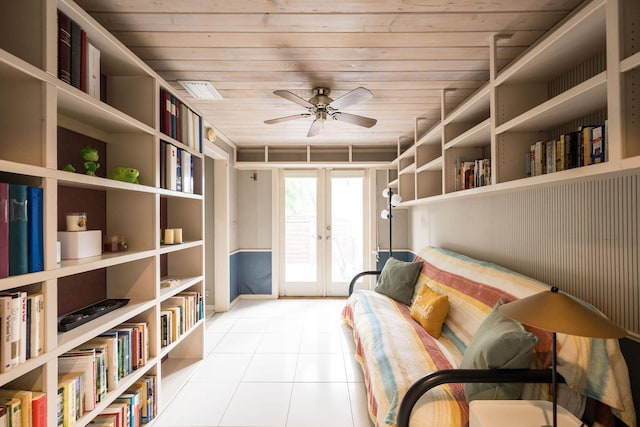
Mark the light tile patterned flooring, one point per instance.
(277, 363)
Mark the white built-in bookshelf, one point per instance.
(585, 71)
(42, 116)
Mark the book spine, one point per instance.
(16, 320)
(5, 333)
(179, 153)
(76, 54)
(93, 71)
(35, 234)
(598, 145)
(64, 47)
(83, 61)
(39, 410)
(171, 167)
(28, 339)
(18, 230)
(22, 349)
(4, 229)
(173, 117)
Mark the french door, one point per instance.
(323, 231)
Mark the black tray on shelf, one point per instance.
(87, 314)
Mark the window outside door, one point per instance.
(323, 231)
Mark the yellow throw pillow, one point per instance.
(429, 308)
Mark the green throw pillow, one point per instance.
(499, 343)
(398, 279)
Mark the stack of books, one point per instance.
(180, 122)
(87, 373)
(179, 314)
(587, 146)
(78, 58)
(22, 333)
(472, 174)
(176, 168)
(21, 229)
(23, 407)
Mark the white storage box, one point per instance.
(80, 244)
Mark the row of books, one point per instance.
(88, 372)
(21, 229)
(472, 174)
(179, 314)
(180, 122)
(133, 408)
(22, 333)
(78, 58)
(23, 408)
(587, 146)
(176, 168)
(136, 406)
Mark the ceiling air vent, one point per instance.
(201, 89)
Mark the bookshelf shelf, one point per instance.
(75, 337)
(585, 29)
(477, 135)
(558, 85)
(630, 63)
(46, 129)
(184, 283)
(434, 165)
(176, 371)
(576, 102)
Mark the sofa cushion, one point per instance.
(499, 343)
(398, 279)
(430, 308)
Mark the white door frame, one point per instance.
(278, 230)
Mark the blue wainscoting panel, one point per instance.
(234, 291)
(251, 273)
(406, 256)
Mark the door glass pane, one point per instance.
(347, 229)
(301, 229)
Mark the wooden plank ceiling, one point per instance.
(406, 52)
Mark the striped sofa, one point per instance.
(395, 352)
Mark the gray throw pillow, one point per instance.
(398, 279)
(499, 343)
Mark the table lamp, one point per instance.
(557, 312)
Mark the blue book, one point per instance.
(18, 230)
(35, 227)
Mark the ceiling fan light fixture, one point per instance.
(201, 89)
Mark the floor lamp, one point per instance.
(557, 312)
(394, 200)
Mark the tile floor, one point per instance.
(277, 363)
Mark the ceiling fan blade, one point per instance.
(315, 128)
(287, 118)
(358, 94)
(353, 119)
(293, 98)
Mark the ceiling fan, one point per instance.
(322, 107)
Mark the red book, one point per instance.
(39, 409)
(4, 229)
(165, 112)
